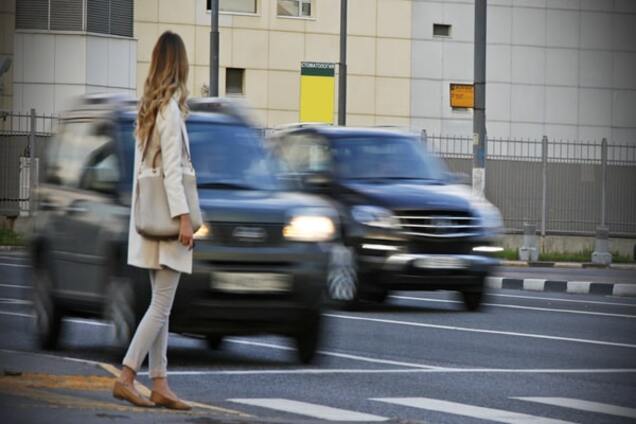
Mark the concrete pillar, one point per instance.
(528, 251)
(601, 254)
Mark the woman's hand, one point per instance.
(186, 236)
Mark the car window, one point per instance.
(74, 147)
(304, 153)
(384, 157)
(221, 154)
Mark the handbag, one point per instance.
(152, 213)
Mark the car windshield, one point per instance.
(385, 158)
(224, 156)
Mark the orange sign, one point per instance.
(462, 96)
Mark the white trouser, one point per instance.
(151, 337)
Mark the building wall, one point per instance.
(7, 27)
(51, 68)
(561, 68)
(271, 49)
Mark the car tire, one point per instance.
(214, 342)
(472, 299)
(48, 317)
(308, 338)
(343, 288)
(121, 310)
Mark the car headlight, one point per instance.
(310, 226)
(375, 216)
(204, 232)
(490, 218)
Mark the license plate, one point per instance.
(244, 282)
(440, 262)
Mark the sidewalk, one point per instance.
(36, 387)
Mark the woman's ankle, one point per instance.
(127, 375)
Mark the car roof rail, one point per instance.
(297, 125)
(107, 101)
(235, 108)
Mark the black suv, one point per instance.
(406, 222)
(260, 260)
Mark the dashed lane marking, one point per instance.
(466, 410)
(583, 405)
(482, 331)
(310, 410)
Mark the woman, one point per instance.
(158, 130)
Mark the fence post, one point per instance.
(544, 183)
(603, 182)
(32, 171)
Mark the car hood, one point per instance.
(254, 206)
(411, 195)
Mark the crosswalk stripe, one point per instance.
(310, 409)
(583, 405)
(497, 415)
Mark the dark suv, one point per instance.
(406, 222)
(260, 260)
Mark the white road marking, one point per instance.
(74, 320)
(15, 265)
(455, 408)
(583, 405)
(556, 299)
(327, 371)
(15, 286)
(529, 308)
(310, 409)
(338, 355)
(15, 301)
(481, 330)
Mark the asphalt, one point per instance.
(421, 348)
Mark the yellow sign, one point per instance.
(462, 95)
(317, 88)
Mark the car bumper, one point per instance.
(202, 308)
(424, 271)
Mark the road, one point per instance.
(526, 358)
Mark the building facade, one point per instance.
(561, 68)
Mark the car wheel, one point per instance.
(472, 299)
(214, 342)
(48, 318)
(121, 311)
(308, 339)
(342, 276)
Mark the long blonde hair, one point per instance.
(168, 74)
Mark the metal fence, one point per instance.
(562, 187)
(23, 138)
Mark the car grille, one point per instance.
(438, 224)
(253, 235)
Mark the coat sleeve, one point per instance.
(169, 129)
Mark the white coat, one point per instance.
(156, 254)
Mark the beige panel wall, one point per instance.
(271, 49)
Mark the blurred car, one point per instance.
(260, 259)
(407, 224)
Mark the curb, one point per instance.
(560, 286)
(524, 264)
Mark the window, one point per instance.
(234, 78)
(305, 153)
(236, 6)
(99, 16)
(295, 8)
(441, 30)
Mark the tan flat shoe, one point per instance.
(127, 393)
(167, 402)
